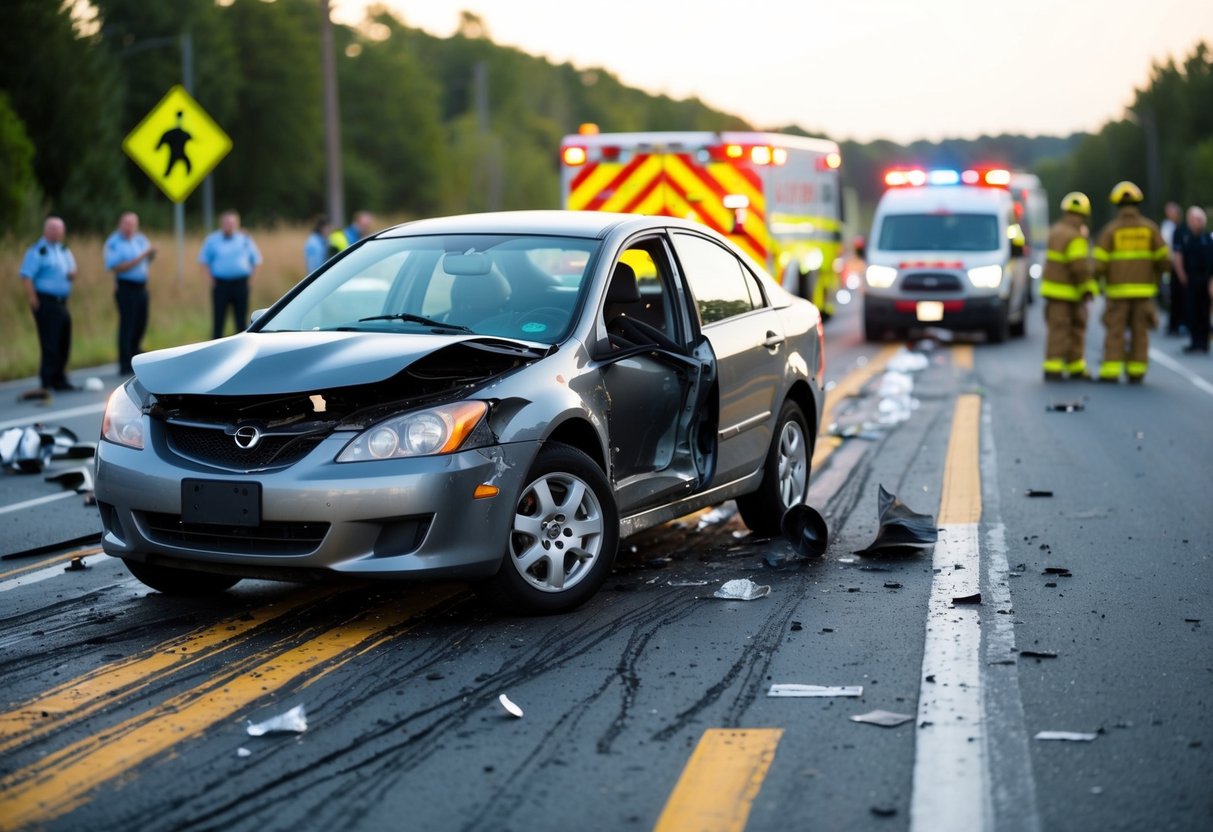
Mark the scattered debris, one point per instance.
(905, 361)
(1191, 620)
(1036, 492)
(806, 530)
(293, 721)
(243, 752)
(892, 585)
(1038, 654)
(1063, 571)
(510, 708)
(1065, 407)
(78, 479)
(797, 626)
(93, 384)
(827, 629)
(1051, 585)
(718, 515)
(29, 449)
(975, 598)
(1068, 736)
(884, 811)
(815, 690)
(687, 583)
(896, 402)
(900, 528)
(82, 540)
(741, 589)
(885, 719)
(76, 564)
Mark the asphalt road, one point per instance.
(649, 707)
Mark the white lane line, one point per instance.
(48, 573)
(951, 789)
(48, 416)
(1013, 792)
(37, 501)
(1171, 364)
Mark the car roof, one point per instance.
(951, 198)
(593, 224)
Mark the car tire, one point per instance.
(872, 332)
(180, 582)
(1020, 328)
(785, 474)
(1000, 330)
(566, 508)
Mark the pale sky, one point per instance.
(863, 69)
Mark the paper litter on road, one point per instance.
(510, 708)
(741, 589)
(292, 721)
(815, 690)
(243, 752)
(1069, 736)
(885, 719)
(688, 583)
(905, 361)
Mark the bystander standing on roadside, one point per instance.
(127, 255)
(1177, 293)
(361, 225)
(316, 249)
(230, 258)
(48, 270)
(1195, 263)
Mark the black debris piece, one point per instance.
(901, 530)
(1051, 584)
(76, 564)
(434, 676)
(827, 629)
(892, 585)
(1038, 654)
(806, 530)
(931, 678)
(797, 626)
(1036, 492)
(1057, 570)
(975, 598)
(1066, 407)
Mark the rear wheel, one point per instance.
(180, 582)
(563, 539)
(785, 475)
(1000, 330)
(872, 332)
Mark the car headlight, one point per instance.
(881, 277)
(438, 430)
(122, 423)
(986, 277)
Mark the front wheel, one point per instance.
(562, 542)
(785, 474)
(180, 582)
(1000, 330)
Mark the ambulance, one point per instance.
(777, 197)
(946, 250)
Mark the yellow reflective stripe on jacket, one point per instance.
(1089, 287)
(1123, 291)
(1077, 249)
(1059, 291)
(1055, 257)
(1131, 255)
(1100, 254)
(1162, 253)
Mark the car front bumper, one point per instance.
(385, 518)
(970, 313)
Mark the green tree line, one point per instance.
(433, 125)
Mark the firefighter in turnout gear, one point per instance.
(1067, 286)
(1130, 259)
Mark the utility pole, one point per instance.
(332, 123)
(490, 146)
(187, 81)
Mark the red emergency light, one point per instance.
(918, 177)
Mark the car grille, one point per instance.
(266, 539)
(931, 282)
(214, 446)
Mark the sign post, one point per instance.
(177, 144)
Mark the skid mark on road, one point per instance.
(65, 780)
(720, 781)
(107, 686)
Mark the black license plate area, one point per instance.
(221, 503)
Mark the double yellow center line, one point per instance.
(63, 781)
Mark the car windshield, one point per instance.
(515, 286)
(939, 232)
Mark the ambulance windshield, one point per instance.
(939, 232)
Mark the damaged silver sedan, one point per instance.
(496, 398)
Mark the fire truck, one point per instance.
(777, 197)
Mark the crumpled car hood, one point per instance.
(255, 363)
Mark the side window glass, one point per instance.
(722, 287)
(646, 303)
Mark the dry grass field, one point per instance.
(180, 310)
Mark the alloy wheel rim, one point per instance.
(793, 464)
(557, 534)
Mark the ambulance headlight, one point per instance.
(122, 423)
(986, 277)
(881, 277)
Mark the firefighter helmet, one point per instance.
(1076, 202)
(1126, 193)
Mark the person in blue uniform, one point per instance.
(1195, 265)
(47, 270)
(127, 255)
(230, 258)
(316, 249)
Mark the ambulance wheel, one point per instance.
(872, 332)
(180, 582)
(1020, 328)
(1000, 330)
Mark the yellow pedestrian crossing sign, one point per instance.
(177, 144)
